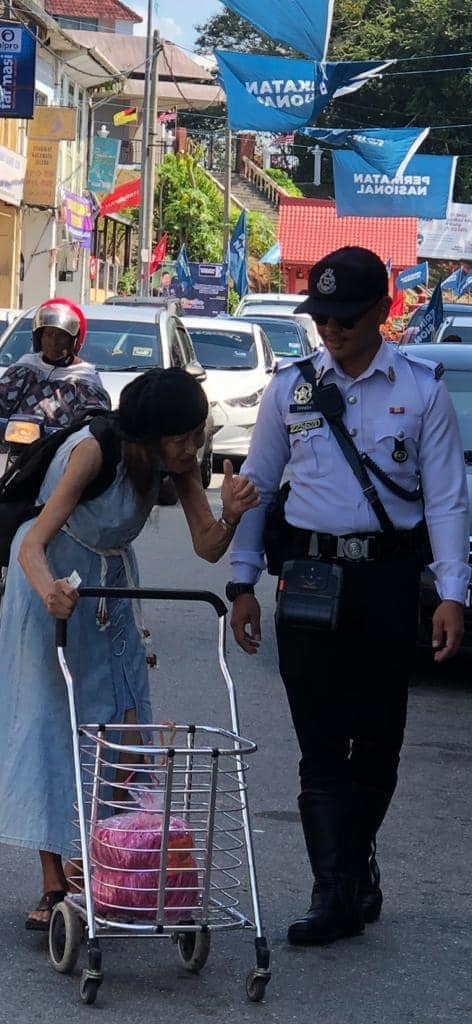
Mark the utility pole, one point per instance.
(227, 192)
(143, 255)
(147, 196)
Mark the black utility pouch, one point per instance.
(308, 594)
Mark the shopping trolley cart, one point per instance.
(163, 830)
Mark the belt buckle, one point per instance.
(353, 548)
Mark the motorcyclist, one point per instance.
(52, 381)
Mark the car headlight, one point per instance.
(247, 401)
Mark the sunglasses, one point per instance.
(345, 322)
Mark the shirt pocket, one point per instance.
(312, 448)
(385, 433)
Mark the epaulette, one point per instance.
(286, 363)
(436, 369)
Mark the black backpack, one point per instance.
(20, 485)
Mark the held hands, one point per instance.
(448, 629)
(247, 612)
(238, 494)
(61, 599)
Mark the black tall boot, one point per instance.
(325, 815)
(369, 809)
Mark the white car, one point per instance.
(284, 301)
(239, 363)
(456, 328)
(122, 342)
(271, 304)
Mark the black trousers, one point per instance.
(348, 689)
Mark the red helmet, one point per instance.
(64, 314)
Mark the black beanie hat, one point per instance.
(161, 403)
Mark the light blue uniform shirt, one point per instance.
(397, 397)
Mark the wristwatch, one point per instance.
(233, 590)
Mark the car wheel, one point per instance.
(206, 468)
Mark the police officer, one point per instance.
(348, 688)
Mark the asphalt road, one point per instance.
(414, 967)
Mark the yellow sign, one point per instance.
(40, 188)
(54, 124)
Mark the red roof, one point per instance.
(89, 9)
(310, 228)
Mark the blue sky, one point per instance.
(176, 18)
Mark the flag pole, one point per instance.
(148, 198)
(140, 287)
(227, 191)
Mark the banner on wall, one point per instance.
(12, 176)
(276, 94)
(425, 191)
(449, 239)
(77, 215)
(41, 173)
(102, 173)
(55, 124)
(17, 69)
(205, 294)
(389, 150)
(304, 25)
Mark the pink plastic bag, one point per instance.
(126, 861)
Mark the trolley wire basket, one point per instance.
(164, 843)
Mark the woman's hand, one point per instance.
(61, 599)
(238, 494)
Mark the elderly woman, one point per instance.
(161, 421)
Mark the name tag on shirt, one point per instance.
(307, 407)
(298, 428)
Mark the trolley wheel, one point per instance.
(256, 986)
(89, 988)
(193, 948)
(65, 936)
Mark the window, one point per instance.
(268, 356)
(40, 99)
(87, 24)
(110, 344)
(224, 350)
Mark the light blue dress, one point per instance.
(109, 669)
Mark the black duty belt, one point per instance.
(363, 547)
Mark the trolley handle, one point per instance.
(143, 594)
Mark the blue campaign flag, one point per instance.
(277, 94)
(466, 284)
(273, 255)
(182, 268)
(238, 255)
(304, 25)
(17, 69)
(412, 276)
(454, 282)
(424, 192)
(432, 318)
(389, 150)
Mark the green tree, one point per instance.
(369, 29)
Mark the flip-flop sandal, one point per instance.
(46, 904)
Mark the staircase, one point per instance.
(254, 190)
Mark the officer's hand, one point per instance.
(61, 599)
(238, 494)
(448, 629)
(247, 612)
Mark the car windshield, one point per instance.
(284, 338)
(264, 308)
(109, 345)
(459, 385)
(458, 333)
(224, 350)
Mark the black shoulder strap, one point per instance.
(348, 449)
(105, 430)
